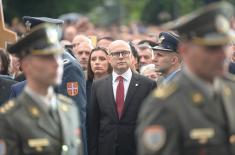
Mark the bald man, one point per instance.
(82, 47)
(112, 119)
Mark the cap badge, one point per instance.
(222, 24)
(161, 39)
(28, 25)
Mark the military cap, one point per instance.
(148, 42)
(30, 22)
(41, 40)
(209, 26)
(168, 41)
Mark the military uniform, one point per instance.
(40, 123)
(73, 85)
(5, 85)
(28, 129)
(73, 82)
(189, 116)
(182, 119)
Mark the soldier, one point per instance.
(39, 121)
(73, 80)
(166, 57)
(194, 114)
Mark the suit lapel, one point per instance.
(111, 96)
(134, 84)
(44, 121)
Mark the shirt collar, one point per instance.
(171, 75)
(126, 75)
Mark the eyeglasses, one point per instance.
(117, 54)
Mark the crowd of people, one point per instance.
(76, 89)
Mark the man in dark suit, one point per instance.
(39, 121)
(5, 86)
(73, 80)
(115, 102)
(194, 113)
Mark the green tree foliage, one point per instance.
(49, 8)
(158, 11)
(149, 11)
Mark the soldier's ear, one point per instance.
(174, 59)
(182, 48)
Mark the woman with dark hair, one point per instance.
(5, 64)
(135, 58)
(98, 67)
(5, 78)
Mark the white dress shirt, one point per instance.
(126, 81)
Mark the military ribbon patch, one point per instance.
(72, 88)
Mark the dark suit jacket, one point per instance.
(5, 85)
(88, 90)
(27, 128)
(107, 135)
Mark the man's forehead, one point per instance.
(85, 45)
(80, 38)
(119, 45)
(146, 50)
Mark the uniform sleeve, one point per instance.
(157, 130)
(12, 93)
(93, 122)
(8, 139)
(74, 86)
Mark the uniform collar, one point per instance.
(206, 87)
(45, 102)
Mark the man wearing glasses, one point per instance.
(115, 102)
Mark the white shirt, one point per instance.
(126, 81)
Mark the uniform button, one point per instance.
(232, 139)
(65, 148)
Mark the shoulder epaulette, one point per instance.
(166, 90)
(64, 99)
(7, 106)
